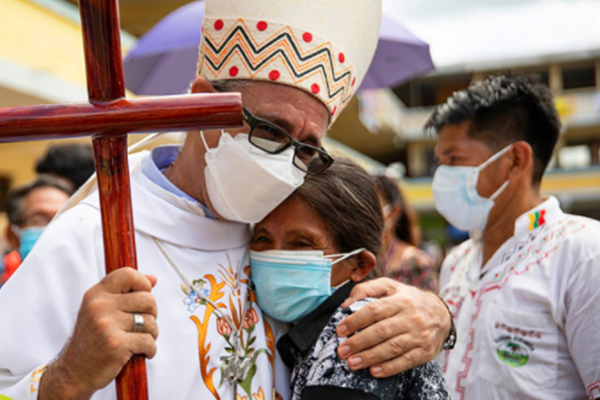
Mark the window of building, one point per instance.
(404, 94)
(542, 75)
(431, 162)
(429, 92)
(416, 94)
(595, 151)
(4, 188)
(579, 77)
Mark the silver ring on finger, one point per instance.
(138, 322)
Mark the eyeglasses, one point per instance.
(37, 219)
(274, 140)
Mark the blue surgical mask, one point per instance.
(27, 238)
(290, 285)
(456, 198)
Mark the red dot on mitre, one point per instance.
(315, 88)
(334, 111)
(262, 25)
(342, 57)
(219, 24)
(274, 75)
(307, 37)
(353, 81)
(233, 71)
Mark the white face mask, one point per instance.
(456, 198)
(245, 183)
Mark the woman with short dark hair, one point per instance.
(403, 260)
(306, 257)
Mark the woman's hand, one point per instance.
(404, 328)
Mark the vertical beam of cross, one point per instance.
(106, 83)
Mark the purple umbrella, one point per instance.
(399, 57)
(164, 59)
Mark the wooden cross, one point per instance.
(108, 117)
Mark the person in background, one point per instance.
(307, 255)
(524, 289)
(403, 259)
(74, 162)
(30, 208)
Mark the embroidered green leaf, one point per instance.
(199, 282)
(259, 352)
(247, 383)
(229, 349)
(223, 364)
(252, 340)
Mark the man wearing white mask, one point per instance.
(72, 328)
(524, 290)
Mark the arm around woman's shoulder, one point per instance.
(322, 374)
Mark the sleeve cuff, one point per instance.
(27, 387)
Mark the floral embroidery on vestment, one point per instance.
(230, 292)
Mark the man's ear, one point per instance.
(12, 238)
(201, 85)
(522, 161)
(366, 261)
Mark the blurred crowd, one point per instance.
(30, 207)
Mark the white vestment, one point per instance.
(39, 305)
(528, 322)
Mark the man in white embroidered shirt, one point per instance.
(524, 290)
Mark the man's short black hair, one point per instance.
(504, 110)
(74, 162)
(14, 202)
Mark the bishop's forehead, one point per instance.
(321, 46)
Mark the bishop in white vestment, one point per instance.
(211, 253)
(206, 313)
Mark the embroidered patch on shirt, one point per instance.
(514, 349)
(536, 219)
(512, 353)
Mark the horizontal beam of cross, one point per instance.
(159, 114)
